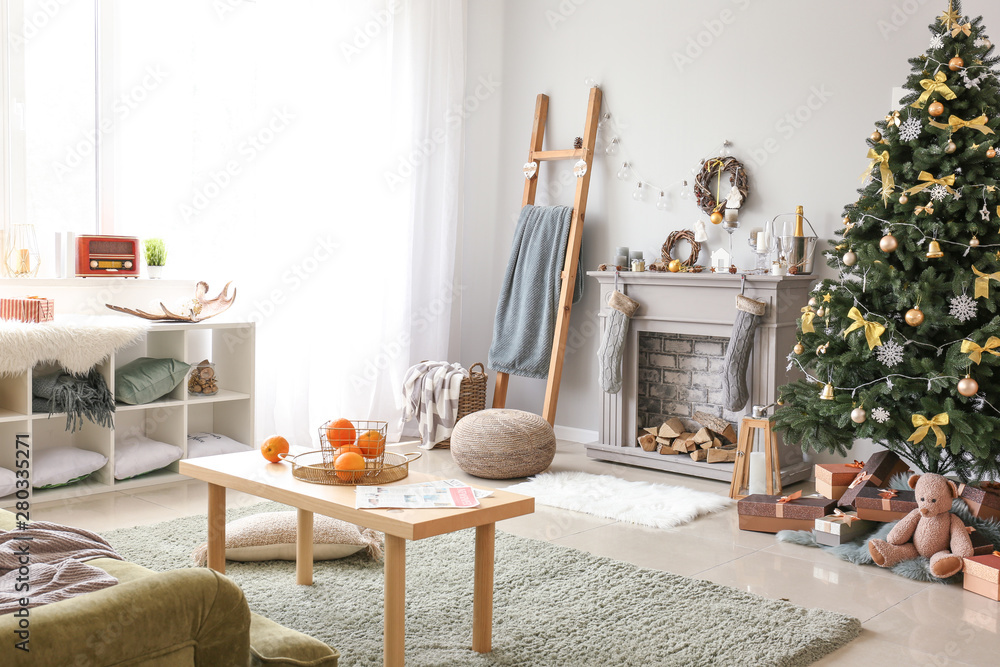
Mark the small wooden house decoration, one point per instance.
(721, 260)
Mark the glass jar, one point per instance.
(201, 380)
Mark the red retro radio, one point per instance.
(107, 256)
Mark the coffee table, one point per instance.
(249, 473)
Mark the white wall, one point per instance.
(765, 65)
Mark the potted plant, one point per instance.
(156, 256)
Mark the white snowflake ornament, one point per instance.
(963, 308)
(880, 414)
(889, 354)
(939, 192)
(936, 41)
(910, 129)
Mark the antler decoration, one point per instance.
(200, 307)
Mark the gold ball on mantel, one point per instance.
(876, 136)
(903, 198)
(935, 109)
(888, 243)
(798, 349)
(716, 217)
(968, 387)
(914, 317)
(674, 266)
(859, 415)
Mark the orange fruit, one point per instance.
(341, 432)
(274, 448)
(372, 444)
(347, 448)
(349, 466)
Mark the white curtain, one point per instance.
(325, 181)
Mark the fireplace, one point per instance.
(673, 360)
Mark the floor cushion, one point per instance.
(503, 444)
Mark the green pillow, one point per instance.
(145, 380)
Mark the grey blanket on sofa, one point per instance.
(529, 295)
(79, 396)
(49, 558)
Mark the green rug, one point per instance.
(553, 606)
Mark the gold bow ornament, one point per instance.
(922, 424)
(929, 180)
(963, 27)
(807, 320)
(873, 330)
(975, 351)
(955, 124)
(929, 209)
(931, 86)
(983, 282)
(892, 119)
(888, 182)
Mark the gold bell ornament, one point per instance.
(827, 393)
(934, 250)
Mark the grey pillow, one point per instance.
(145, 379)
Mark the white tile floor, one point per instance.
(905, 622)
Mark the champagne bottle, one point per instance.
(799, 230)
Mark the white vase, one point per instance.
(154, 272)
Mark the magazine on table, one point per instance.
(441, 494)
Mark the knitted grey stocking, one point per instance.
(735, 393)
(609, 354)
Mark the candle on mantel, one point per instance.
(23, 261)
(758, 473)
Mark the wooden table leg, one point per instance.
(395, 598)
(482, 597)
(304, 548)
(217, 528)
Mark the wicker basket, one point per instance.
(472, 397)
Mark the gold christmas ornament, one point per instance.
(974, 242)
(956, 64)
(850, 258)
(716, 217)
(798, 349)
(950, 147)
(823, 348)
(888, 243)
(903, 198)
(968, 387)
(827, 393)
(935, 109)
(914, 317)
(876, 136)
(991, 153)
(674, 266)
(934, 250)
(847, 219)
(859, 415)
(821, 312)
(813, 302)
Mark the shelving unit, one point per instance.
(230, 412)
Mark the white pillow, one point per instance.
(52, 466)
(211, 444)
(138, 454)
(8, 482)
(271, 536)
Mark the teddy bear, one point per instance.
(931, 530)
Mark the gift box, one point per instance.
(28, 309)
(840, 527)
(875, 504)
(982, 575)
(832, 479)
(980, 545)
(983, 499)
(877, 472)
(769, 514)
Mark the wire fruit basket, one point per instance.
(311, 467)
(365, 436)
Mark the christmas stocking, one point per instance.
(735, 393)
(609, 354)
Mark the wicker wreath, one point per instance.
(682, 235)
(709, 176)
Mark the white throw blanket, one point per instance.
(75, 342)
(430, 395)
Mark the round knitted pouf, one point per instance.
(503, 444)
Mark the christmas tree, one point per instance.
(904, 346)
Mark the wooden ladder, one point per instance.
(568, 276)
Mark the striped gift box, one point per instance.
(28, 309)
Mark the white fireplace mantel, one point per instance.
(700, 305)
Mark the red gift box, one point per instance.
(28, 309)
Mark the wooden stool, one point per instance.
(741, 470)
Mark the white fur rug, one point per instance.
(75, 342)
(643, 503)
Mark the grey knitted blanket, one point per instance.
(529, 295)
(78, 396)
